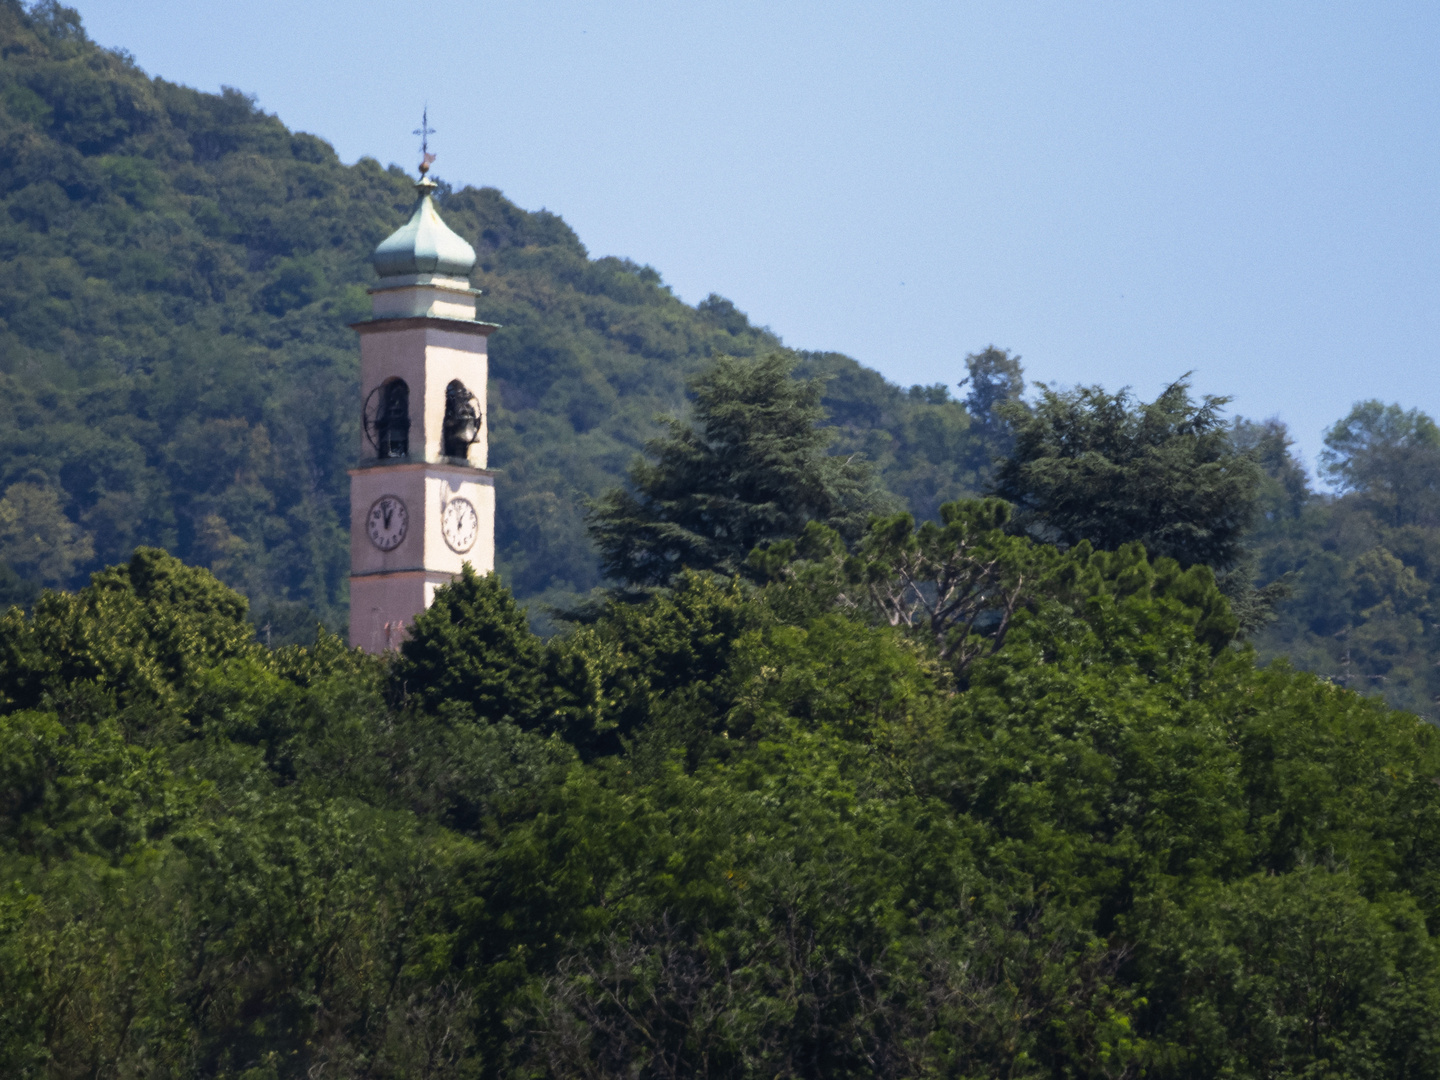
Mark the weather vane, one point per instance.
(425, 131)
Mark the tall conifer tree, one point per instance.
(1090, 465)
(752, 467)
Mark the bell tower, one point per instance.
(422, 502)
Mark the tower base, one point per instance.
(383, 606)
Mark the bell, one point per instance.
(467, 430)
(461, 428)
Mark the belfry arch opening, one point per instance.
(463, 421)
(392, 419)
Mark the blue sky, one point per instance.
(1118, 192)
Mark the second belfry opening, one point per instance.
(463, 421)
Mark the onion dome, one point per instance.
(424, 244)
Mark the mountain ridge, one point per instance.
(179, 270)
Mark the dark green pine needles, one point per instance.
(750, 469)
(1091, 465)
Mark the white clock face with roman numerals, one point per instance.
(387, 522)
(459, 524)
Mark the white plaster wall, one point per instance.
(438, 300)
(390, 588)
(394, 586)
(441, 486)
(406, 483)
(393, 599)
(425, 490)
(427, 358)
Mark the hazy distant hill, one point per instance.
(178, 272)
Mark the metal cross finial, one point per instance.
(425, 131)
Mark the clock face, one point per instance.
(387, 522)
(459, 524)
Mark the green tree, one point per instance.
(180, 273)
(146, 632)
(957, 583)
(996, 380)
(1357, 994)
(473, 646)
(1390, 459)
(1284, 491)
(1363, 560)
(960, 585)
(1090, 465)
(37, 540)
(920, 440)
(751, 468)
(1122, 847)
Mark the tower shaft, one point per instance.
(422, 502)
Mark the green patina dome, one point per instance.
(424, 244)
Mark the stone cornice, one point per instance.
(432, 322)
(408, 465)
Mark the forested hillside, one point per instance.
(1026, 785)
(826, 793)
(724, 831)
(178, 273)
(1363, 559)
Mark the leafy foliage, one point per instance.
(1390, 459)
(767, 832)
(1364, 561)
(920, 442)
(143, 632)
(931, 799)
(996, 383)
(474, 645)
(960, 584)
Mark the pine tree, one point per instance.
(752, 468)
(1090, 465)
